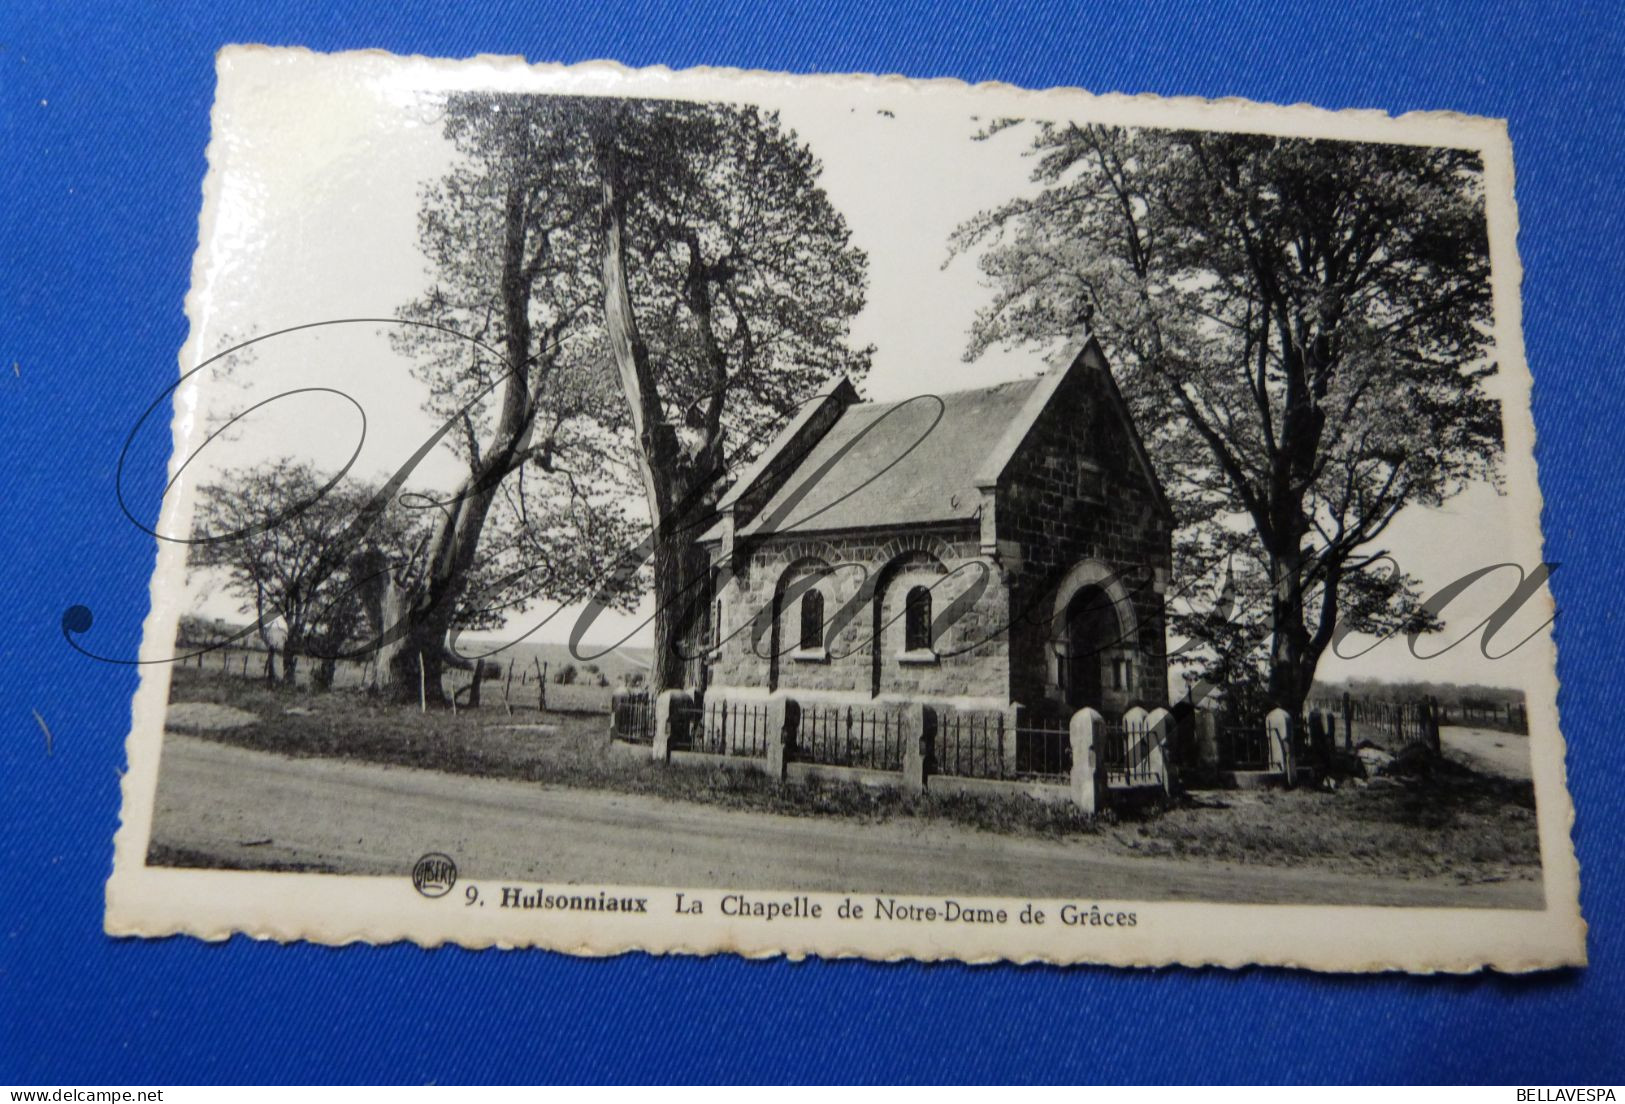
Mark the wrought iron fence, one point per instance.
(687, 721)
(971, 745)
(1044, 751)
(844, 736)
(1244, 747)
(724, 728)
(1126, 754)
(632, 718)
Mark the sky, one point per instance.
(315, 192)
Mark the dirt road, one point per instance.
(253, 809)
(1486, 749)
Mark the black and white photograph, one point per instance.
(709, 511)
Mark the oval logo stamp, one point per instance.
(434, 874)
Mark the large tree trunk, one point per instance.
(682, 597)
(657, 441)
(418, 623)
(414, 655)
(1294, 650)
(411, 668)
(680, 487)
(326, 670)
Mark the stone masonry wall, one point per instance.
(970, 657)
(1075, 492)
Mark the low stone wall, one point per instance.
(821, 772)
(711, 761)
(987, 787)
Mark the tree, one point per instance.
(1302, 328)
(277, 532)
(724, 285)
(504, 341)
(729, 285)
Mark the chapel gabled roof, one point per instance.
(898, 463)
(924, 460)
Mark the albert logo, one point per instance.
(434, 874)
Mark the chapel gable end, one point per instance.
(1083, 450)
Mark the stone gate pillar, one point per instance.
(1278, 728)
(1088, 766)
(663, 720)
(782, 716)
(1159, 724)
(914, 720)
(1206, 728)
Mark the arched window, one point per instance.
(917, 620)
(812, 621)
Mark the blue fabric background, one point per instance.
(105, 120)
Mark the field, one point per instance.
(1450, 822)
(516, 687)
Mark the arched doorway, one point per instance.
(1092, 632)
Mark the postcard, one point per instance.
(720, 511)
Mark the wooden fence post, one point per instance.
(1348, 724)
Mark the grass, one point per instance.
(484, 743)
(1470, 827)
(1434, 820)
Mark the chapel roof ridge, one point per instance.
(958, 391)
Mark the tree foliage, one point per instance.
(1303, 330)
(701, 270)
(278, 532)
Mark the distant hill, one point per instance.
(1446, 693)
(617, 665)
